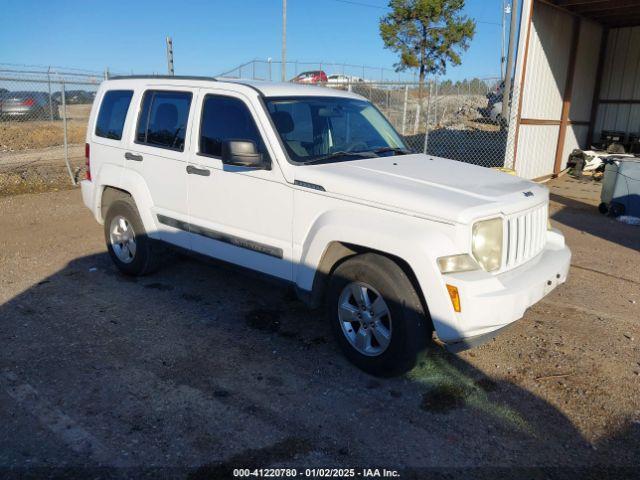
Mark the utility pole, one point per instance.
(508, 80)
(284, 40)
(170, 56)
(502, 57)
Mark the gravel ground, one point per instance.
(16, 136)
(198, 369)
(41, 170)
(32, 153)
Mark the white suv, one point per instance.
(314, 186)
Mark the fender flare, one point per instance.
(131, 182)
(417, 242)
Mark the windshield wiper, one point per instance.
(396, 150)
(362, 154)
(334, 155)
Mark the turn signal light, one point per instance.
(455, 297)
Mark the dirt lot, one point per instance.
(27, 135)
(19, 136)
(199, 369)
(32, 154)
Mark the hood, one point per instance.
(433, 187)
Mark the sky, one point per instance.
(211, 37)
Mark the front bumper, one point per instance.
(489, 303)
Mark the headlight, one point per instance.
(457, 263)
(486, 243)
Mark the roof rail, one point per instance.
(245, 84)
(162, 77)
(187, 77)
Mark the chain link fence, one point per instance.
(271, 70)
(43, 119)
(44, 114)
(461, 120)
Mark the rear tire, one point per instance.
(382, 344)
(127, 242)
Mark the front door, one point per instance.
(237, 214)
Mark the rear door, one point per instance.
(237, 214)
(159, 153)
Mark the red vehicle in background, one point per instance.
(312, 76)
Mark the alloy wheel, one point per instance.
(365, 318)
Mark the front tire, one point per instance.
(376, 315)
(127, 242)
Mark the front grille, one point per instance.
(526, 234)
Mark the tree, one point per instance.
(445, 87)
(477, 86)
(428, 34)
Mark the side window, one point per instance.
(113, 112)
(163, 119)
(226, 118)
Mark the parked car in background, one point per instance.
(339, 78)
(28, 105)
(314, 186)
(313, 76)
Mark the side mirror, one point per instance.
(243, 153)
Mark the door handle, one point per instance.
(191, 170)
(133, 156)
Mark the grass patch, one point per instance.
(448, 387)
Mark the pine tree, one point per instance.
(428, 34)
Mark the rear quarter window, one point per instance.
(113, 112)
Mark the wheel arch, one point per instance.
(412, 243)
(114, 183)
(111, 194)
(338, 252)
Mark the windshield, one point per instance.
(314, 128)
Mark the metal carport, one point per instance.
(577, 73)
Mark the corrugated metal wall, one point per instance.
(548, 58)
(543, 89)
(584, 82)
(536, 150)
(514, 126)
(620, 83)
(549, 51)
